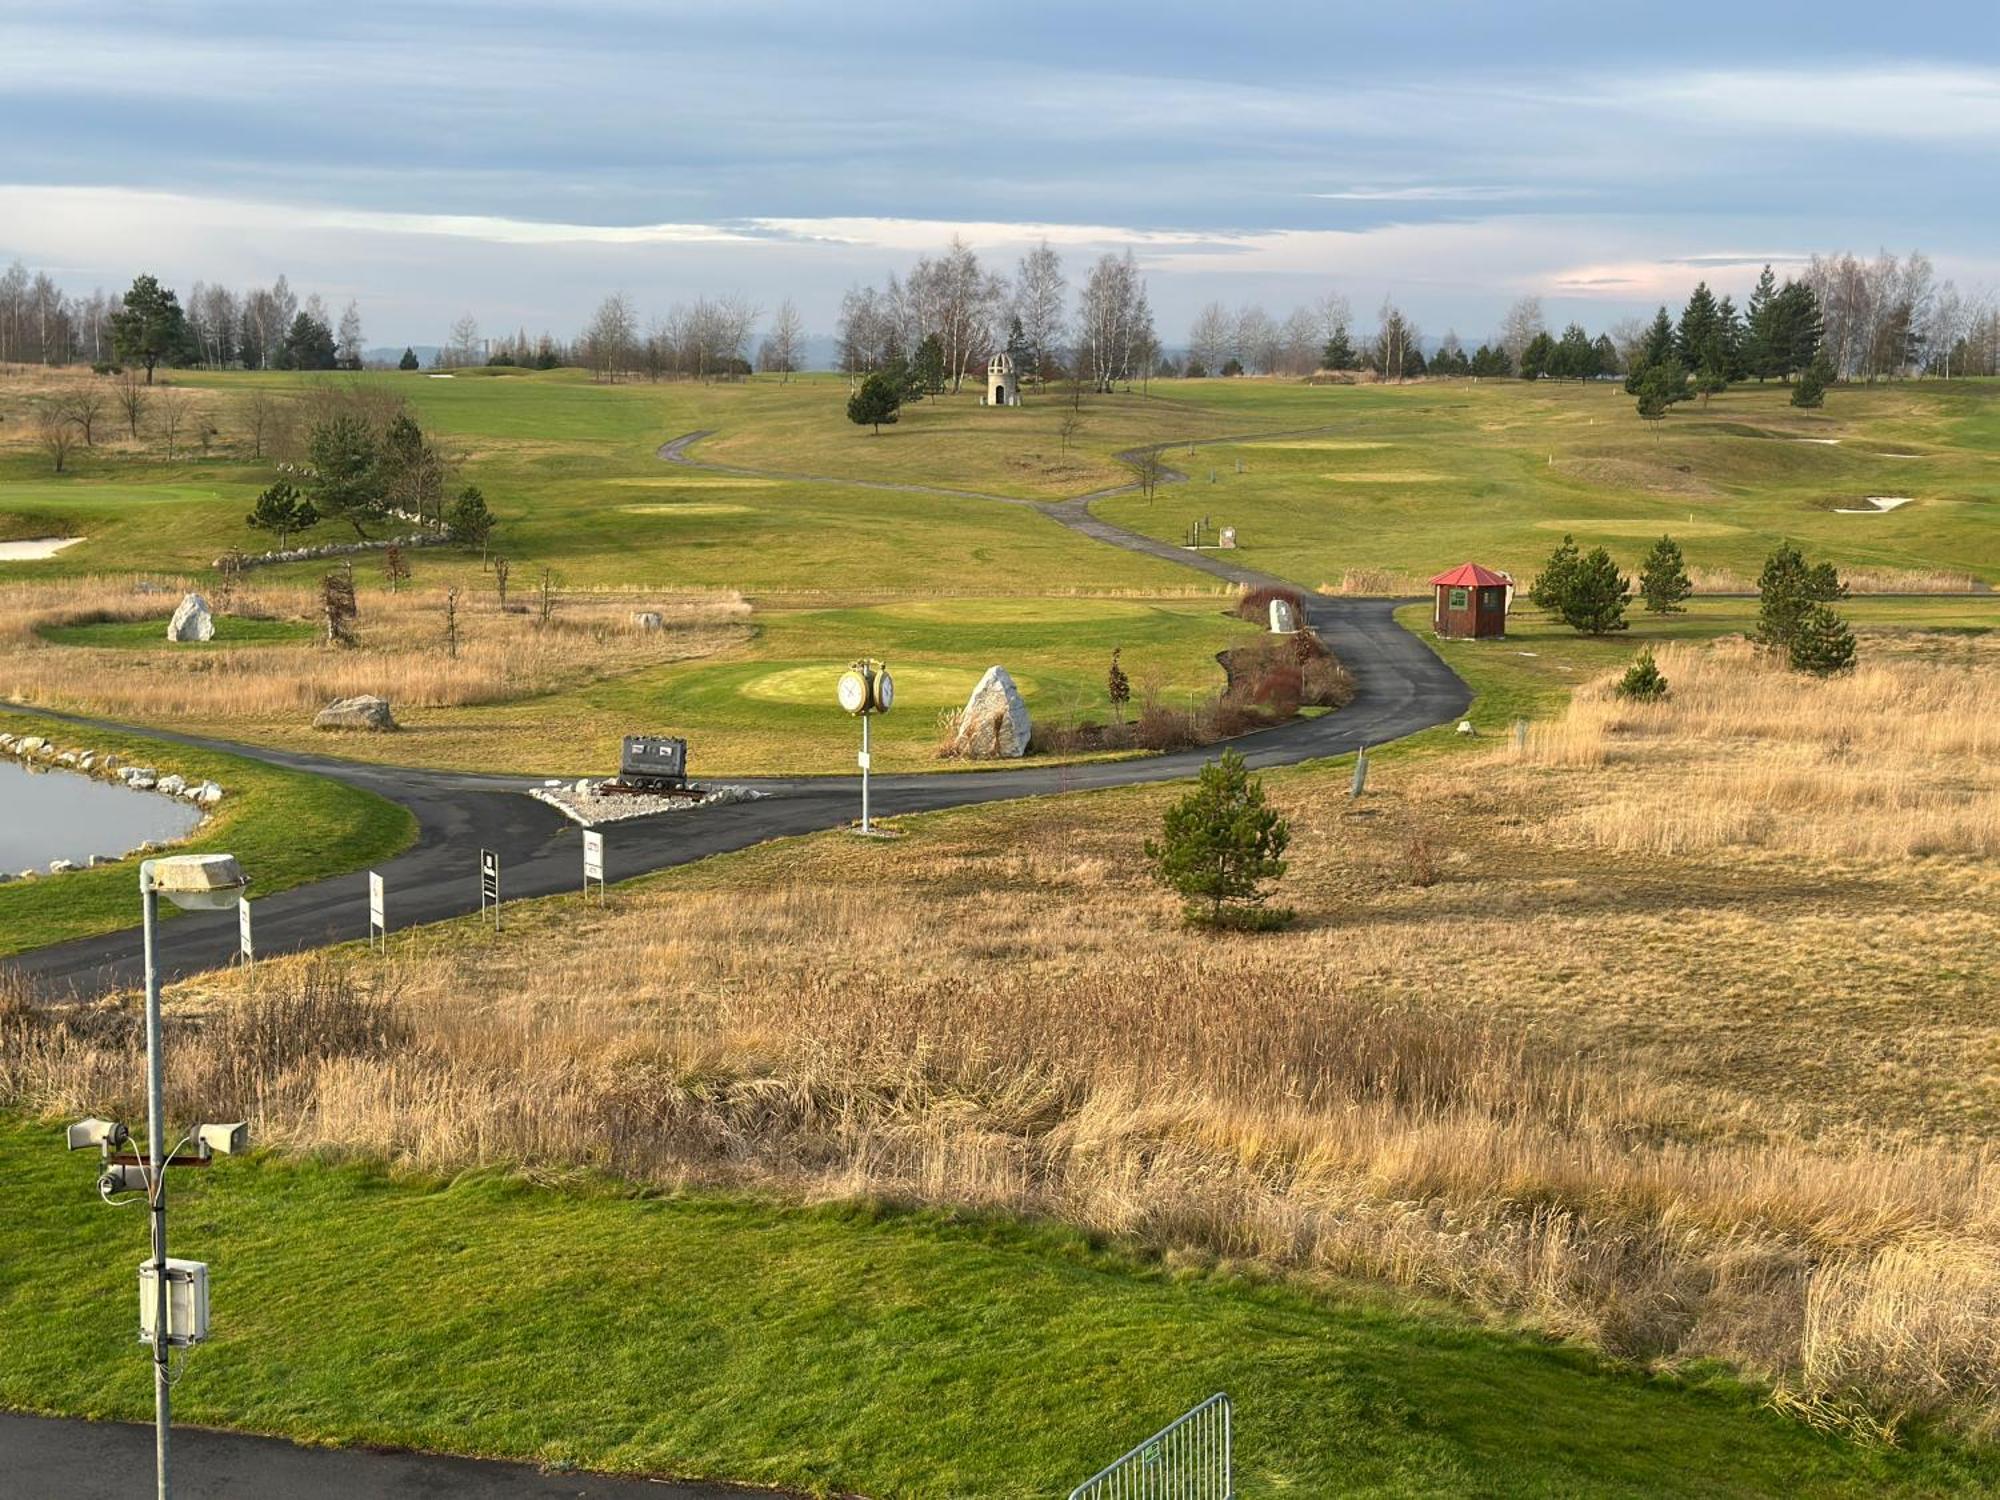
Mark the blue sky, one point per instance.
(518, 160)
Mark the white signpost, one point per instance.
(593, 861)
(244, 947)
(378, 920)
(865, 690)
(489, 885)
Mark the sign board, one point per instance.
(244, 946)
(489, 885)
(378, 920)
(593, 860)
(653, 758)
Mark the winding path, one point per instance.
(1401, 687)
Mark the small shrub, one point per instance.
(1821, 643)
(1254, 605)
(1160, 727)
(1643, 681)
(1220, 845)
(1420, 861)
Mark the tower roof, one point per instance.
(1469, 575)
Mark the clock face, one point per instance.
(885, 692)
(853, 692)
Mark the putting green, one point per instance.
(1642, 526)
(91, 492)
(686, 508)
(1323, 445)
(919, 687)
(1386, 476)
(693, 482)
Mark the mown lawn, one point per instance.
(848, 1348)
(286, 827)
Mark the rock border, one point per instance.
(105, 766)
(581, 802)
(335, 549)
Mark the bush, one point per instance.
(1220, 845)
(1643, 681)
(1821, 644)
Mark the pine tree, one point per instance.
(1810, 392)
(1537, 357)
(1594, 596)
(1729, 332)
(1551, 585)
(1220, 845)
(1643, 681)
(1759, 358)
(1575, 356)
(877, 402)
(1338, 353)
(469, 522)
(1787, 589)
(1657, 349)
(150, 327)
(927, 372)
(408, 361)
(1663, 578)
(1796, 329)
(345, 481)
(1821, 643)
(281, 509)
(1699, 328)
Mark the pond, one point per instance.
(47, 815)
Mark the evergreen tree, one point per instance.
(1575, 356)
(1551, 585)
(1594, 595)
(1699, 334)
(1786, 589)
(1811, 390)
(309, 345)
(1796, 329)
(1760, 328)
(1659, 387)
(1338, 353)
(1729, 329)
(927, 370)
(1491, 363)
(1663, 578)
(344, 481)
(469, 522)
(877, 402)
(1607, 355)
(337, 606)
(1220, 845)
(1536, 358)
(408, 361)
(281, 509)
(1821, 643)
(1657, 349)
(150, 327)
(1643, 681)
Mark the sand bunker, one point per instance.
(35, 548)
(1874, 505)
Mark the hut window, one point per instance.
(1457, 599)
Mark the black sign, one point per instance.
(650, 758)
(489, 877)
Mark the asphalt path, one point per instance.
(56, 1458)
(1400, 687)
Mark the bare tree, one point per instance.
(500, 571)
(1256, 339)
(171, 416)
(1114, 319)
(1147, 468)
(56, 432)
(1394, 340)
(132, 396)
(84, 406)
(465, 348)
(1212, 339)
(1299, 343)
(347, 350)
(783, 350)
(1041, 293)
(607, 343)
(394, 568)
(451, 622)
(259, 410)
(1519, 327)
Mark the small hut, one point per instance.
(1003, 387)
(1470, 603)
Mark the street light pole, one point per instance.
(156, 1130)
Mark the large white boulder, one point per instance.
(364, 712)
(191, 621)
(994, 724)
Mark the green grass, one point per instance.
(1416, 479)
(842, 1348)
(286, 827)
(230, 630)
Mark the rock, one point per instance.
(648, 619)
(88, 761)
(102, 859)
(131, 774)
(1227, 540)
(191, 621)
(173, 786)
(28, 875)
(152, 846)
(994, 724)
(1284, 617)
(584, 787)
(1465, 726)
(143, 783)
(29, 744)
(112, 762)
(207, 794)
(68, 758)
(355, 713)
(59, 866)
(6, 742)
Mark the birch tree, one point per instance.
(783, 350)
(1041, 295)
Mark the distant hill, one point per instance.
(385, 355)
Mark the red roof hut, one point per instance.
(1470, 602)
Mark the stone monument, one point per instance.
(191, 621)
(994, 724)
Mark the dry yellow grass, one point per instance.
(400, 654)
(1685, 1101)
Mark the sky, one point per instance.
(518, 161)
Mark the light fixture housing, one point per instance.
(195, 882)
(227, 1140)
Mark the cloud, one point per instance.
(1437, 193)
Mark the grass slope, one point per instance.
(843, 1348)
(285, 826)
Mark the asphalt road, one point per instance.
(1401, 687)
(54, 1458)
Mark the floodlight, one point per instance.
(195, 882)
(227, 1139)
(85, 1134)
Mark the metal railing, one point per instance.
(1188, 1459)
